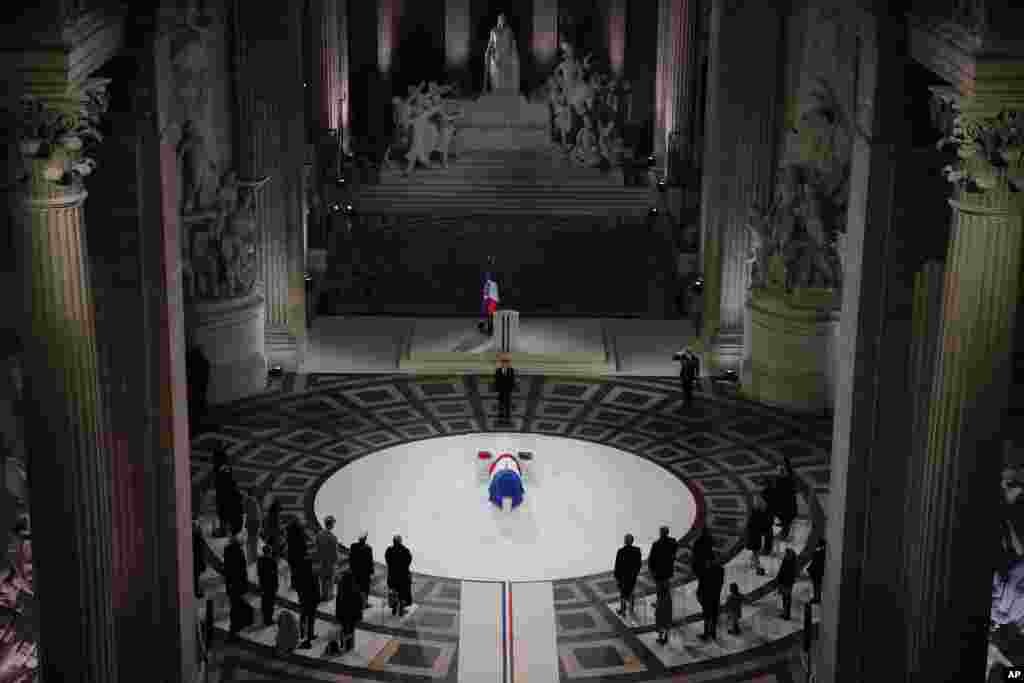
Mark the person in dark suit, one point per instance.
(785, 580)
(505, 384)
(661, 563)
(197, 373)
(266, 568)
(198, 556)
(348, 609)
(816, 570)
(709, 595)
(628, 563)
(308, 589)
(689, 370)
(361, 564)
(703, 551)
(237, 583)
(272, 528)
(783, 497)
(298, 549)
(230, 509)
(399, 559)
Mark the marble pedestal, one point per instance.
(231, 334)
(791, 350)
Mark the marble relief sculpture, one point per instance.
(502, 59)
(589, 110)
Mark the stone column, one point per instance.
(544, 41)
(617, 13)
(456, 39)
(344, 79)
(69, 460)
(970, 390)
(327, 74)
(742, 124)
(389, 16)
(258, 153)
(674, 78)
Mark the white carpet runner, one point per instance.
(482, 633)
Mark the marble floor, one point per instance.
(287, 443)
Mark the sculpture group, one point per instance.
(424, 123)
(798, 241)
(588, 111)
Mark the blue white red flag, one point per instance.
(490, 294)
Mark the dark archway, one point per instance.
(419, 55)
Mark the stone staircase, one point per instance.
(504, 164)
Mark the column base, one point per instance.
(725, 352)
(282, 349)
(231, 333)
(791, 344)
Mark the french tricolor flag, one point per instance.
(490, 294)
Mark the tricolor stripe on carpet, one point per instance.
(535, 652)
(482, 628)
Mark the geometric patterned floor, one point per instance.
(286, 442)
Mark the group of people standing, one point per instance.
(709, 569)
(314, 577)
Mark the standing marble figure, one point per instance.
(502, 59)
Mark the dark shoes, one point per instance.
(663, 639)
(706, 637)
(734, 631)
(305, 645)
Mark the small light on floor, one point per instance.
(653, 211)
(349, 209)
(662, 185)
(275, 371)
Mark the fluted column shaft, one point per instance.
(617, 17)
(969, 398)
(389, 16)
(344, 76)
(675, 76)
(67, 456)
(544, 41)
(325, 56)
(743, 112)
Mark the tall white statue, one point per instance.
(502, 59)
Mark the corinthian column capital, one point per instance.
(56, 134)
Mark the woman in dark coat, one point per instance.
(760, 519)
(348, 609)
(399, 559)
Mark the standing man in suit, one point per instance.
(505, 384)
(661, 563)
(689, 370)
(266, 569)
(709, 595)
(327, 557)
(237, 583)
(627, 566)
(361, 564)
(398, 559)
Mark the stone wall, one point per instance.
(550, 265)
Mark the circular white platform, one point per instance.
(580, 499)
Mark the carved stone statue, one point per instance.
(502, 59)
(195, 168)
(431, 124)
